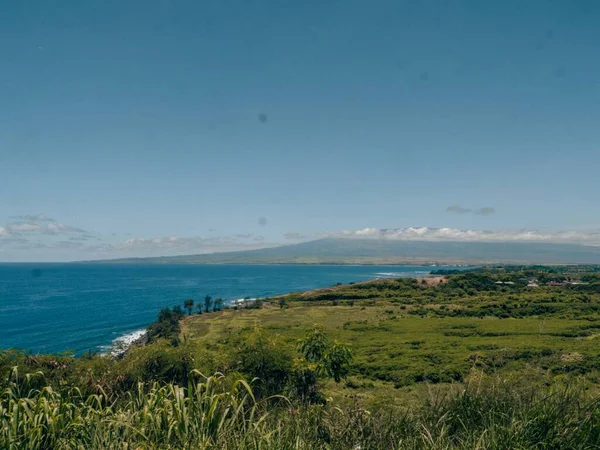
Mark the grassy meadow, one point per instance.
(402, 343)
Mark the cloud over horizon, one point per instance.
(42, 238)
(39, 237)
(454, 234)
(38, 224)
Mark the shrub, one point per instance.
(264, 362)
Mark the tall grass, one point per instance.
(220, 412)
(205, 414)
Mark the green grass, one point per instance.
(222, 413)
(399, 350)
(404, 334)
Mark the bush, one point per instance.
(264, 362)
(166, 325)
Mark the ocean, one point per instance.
(90, 307)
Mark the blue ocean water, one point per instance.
(81, 307)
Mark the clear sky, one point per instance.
(163, 127)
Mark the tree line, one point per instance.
(206, 306)
(167, 323)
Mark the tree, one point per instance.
(314, 346)
(200, 308)
(281, 302)
(207, 303)
(266, 360)
(189, 305)
(337, 361)
(332, 360)
(218, 304)
(167, 324)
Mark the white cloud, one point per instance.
(4, 232)
(39, 224)
(58, 228)
(366, 232)
(17, 227)
(453, 234)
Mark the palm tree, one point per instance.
(189, 305)
(207, 303)
(218, 304)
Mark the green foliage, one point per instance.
(261, 359)
(314, 346)
(166, 325)
(207, 303)
(337, 361)
(222, 412)
(189, 305)
(331, 359)
(304, 385)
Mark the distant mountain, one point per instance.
(379, 251)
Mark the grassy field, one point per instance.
(405, 335)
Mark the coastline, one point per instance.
(136, 295)
(122, 344)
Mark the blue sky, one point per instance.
(142, 121)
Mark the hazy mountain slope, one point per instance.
(370, 251)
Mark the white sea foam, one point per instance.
(402, 274)
(122, 343)
(241, 301)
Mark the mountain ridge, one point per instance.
(390, 252)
